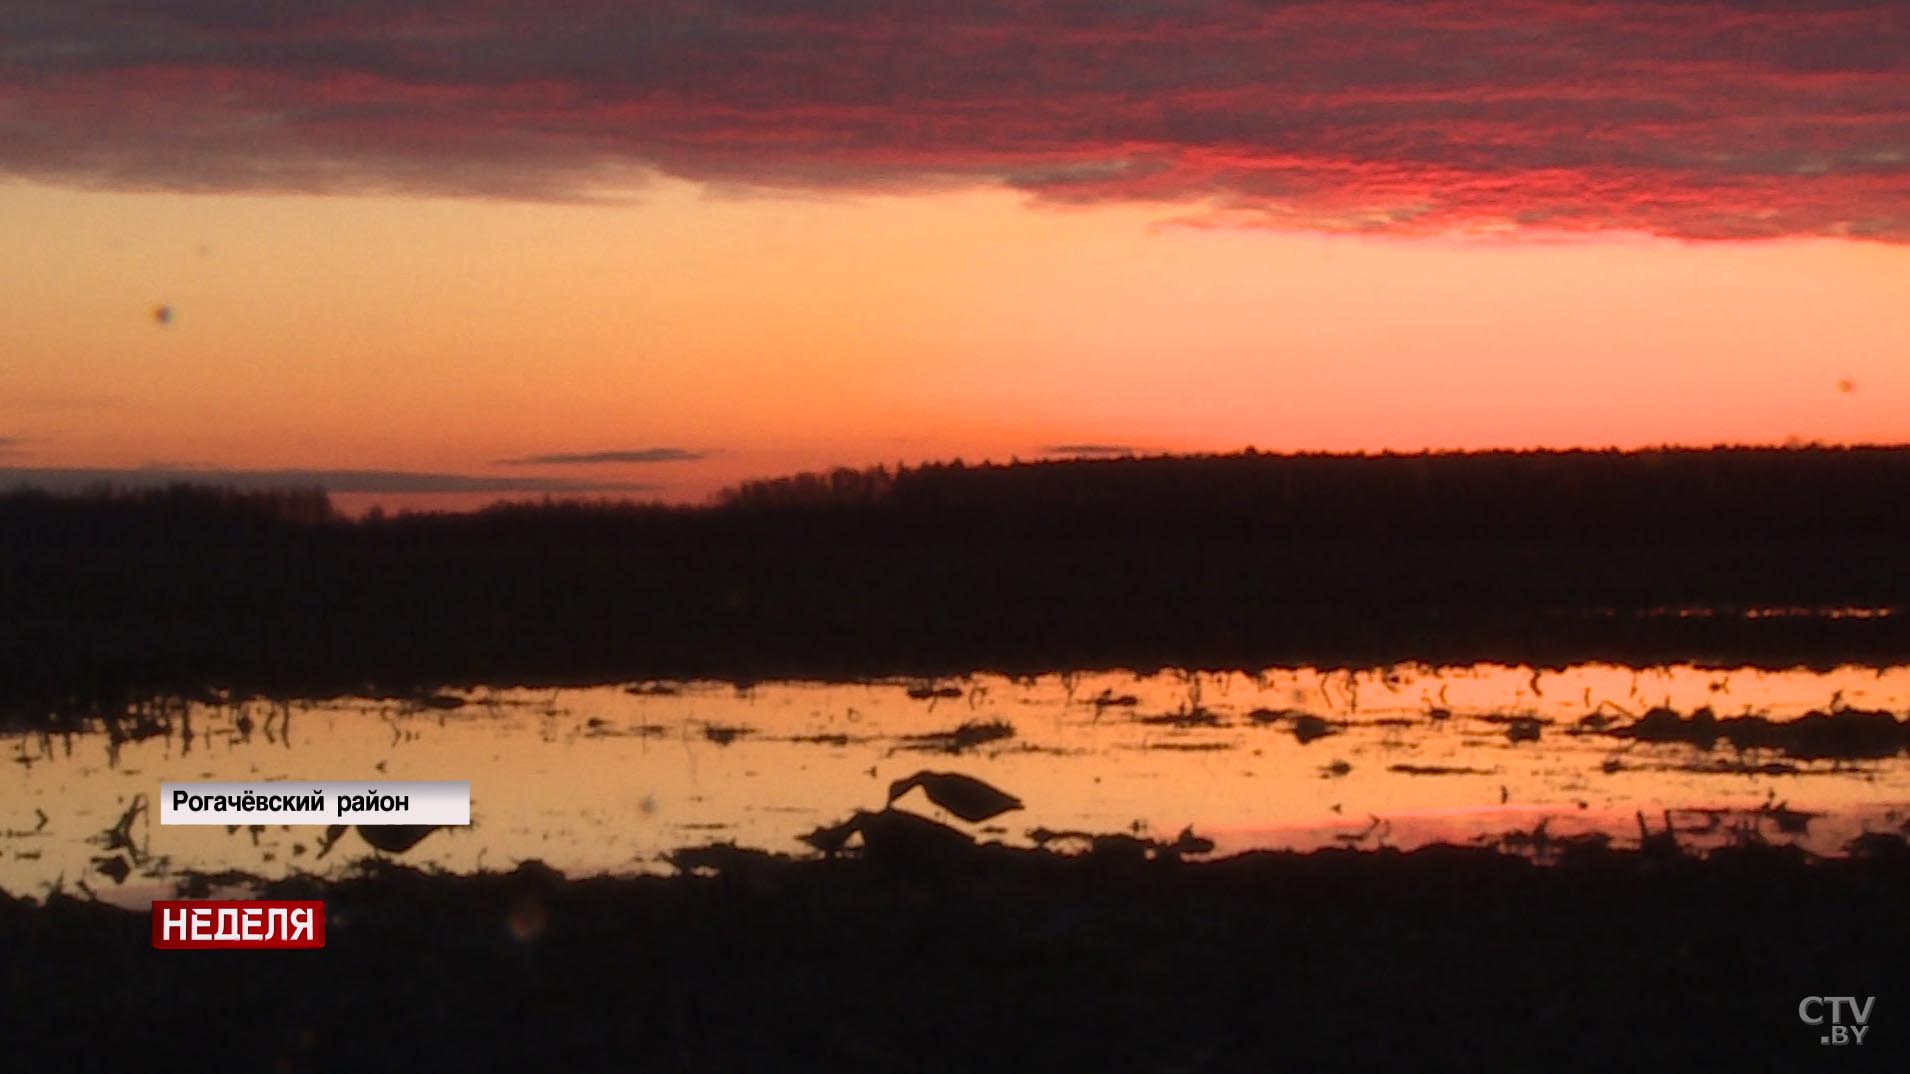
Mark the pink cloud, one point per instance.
(1746, 119)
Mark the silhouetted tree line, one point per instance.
(107, 513)
(1239, 560)
(1676, 494)
(1729, 493)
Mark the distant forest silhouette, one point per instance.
(1242, 560)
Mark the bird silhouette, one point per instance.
(390, 838)
(395, 838)
(896, 839)
(964, 796)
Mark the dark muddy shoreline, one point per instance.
(117, 667)
(1008, 960)
(106, 665)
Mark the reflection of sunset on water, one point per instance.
(609, 779)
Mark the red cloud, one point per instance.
(1730, 119)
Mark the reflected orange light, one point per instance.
(610, 779)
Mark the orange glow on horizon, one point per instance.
(785, 333)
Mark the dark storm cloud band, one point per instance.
(75, 479)
(597, 458)
(1741, 118)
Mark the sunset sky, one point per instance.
(475, 248)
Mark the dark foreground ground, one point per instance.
(998, 960)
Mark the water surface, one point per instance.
(611, 779)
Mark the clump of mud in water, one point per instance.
(1842, 734)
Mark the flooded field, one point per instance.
(613, 779)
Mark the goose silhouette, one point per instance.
(390, 838)
(897, 839)
(964, 796)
